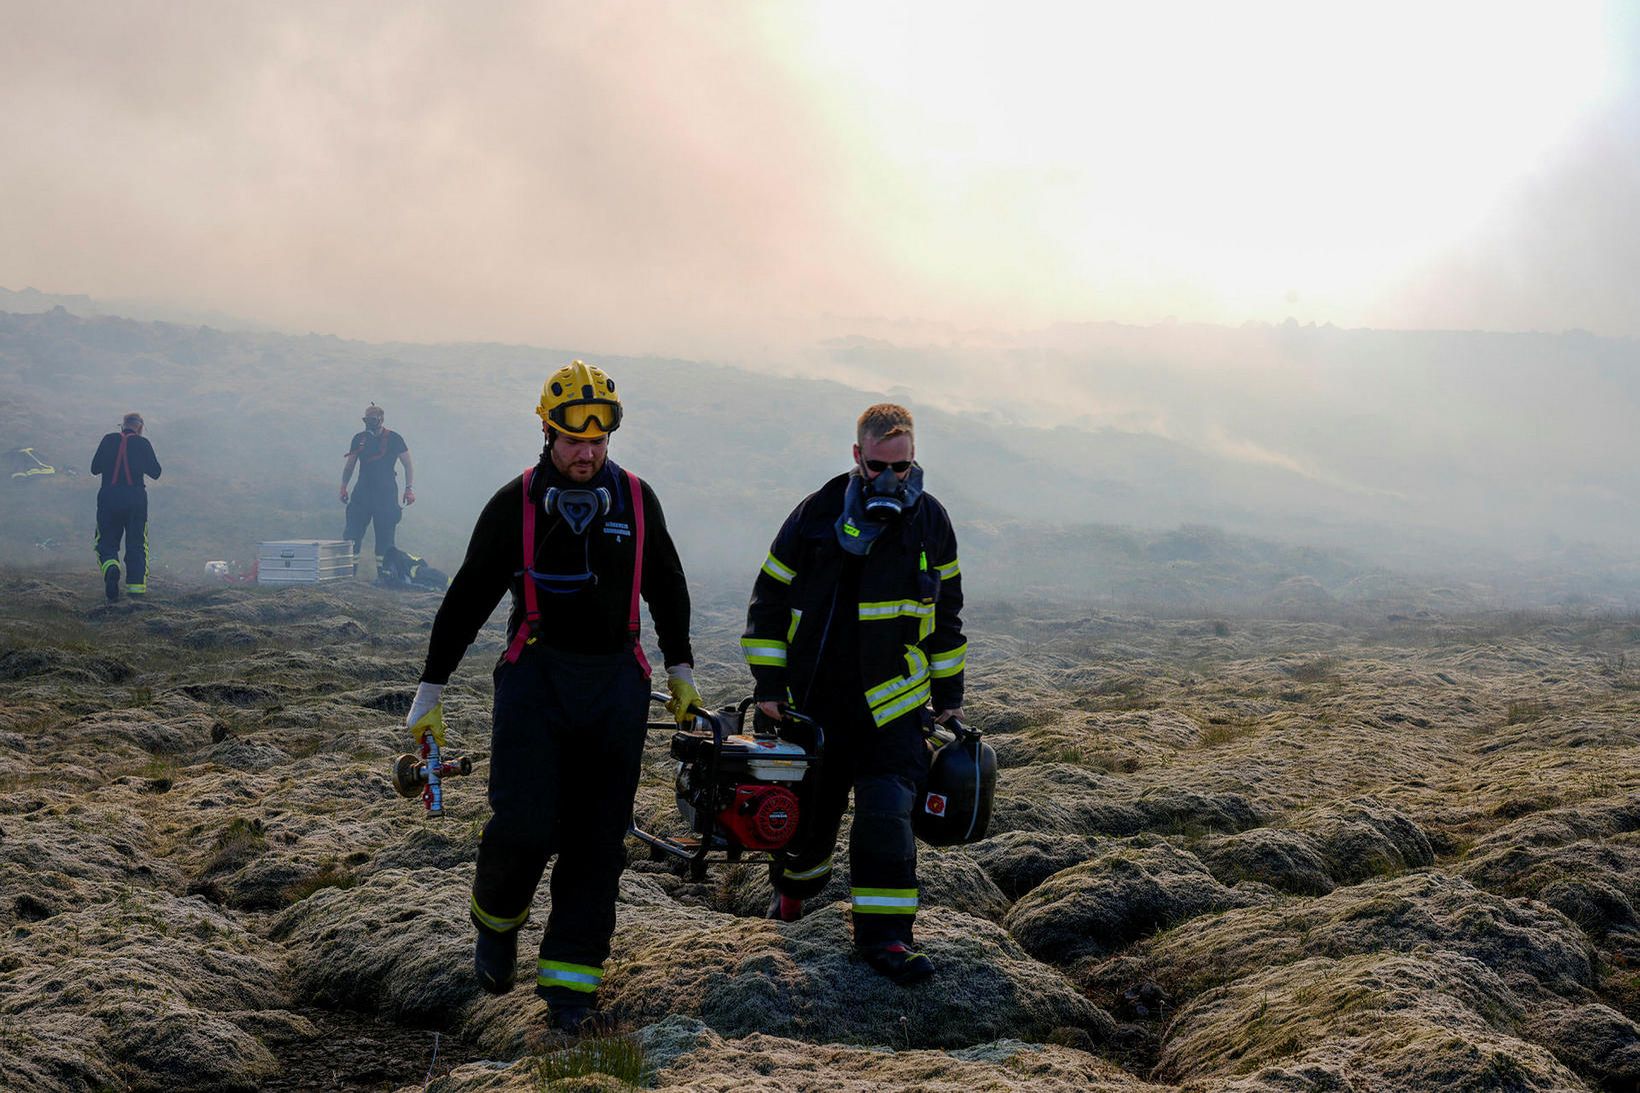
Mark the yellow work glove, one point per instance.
(680, 680)
(427, 714)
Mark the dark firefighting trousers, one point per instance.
(564, 758)
(885, 768)
(380, 506)
(122, 512)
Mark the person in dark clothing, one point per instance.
(374, 451)
(571, 692)
(124, 459)
(856, 620)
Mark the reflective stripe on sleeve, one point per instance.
(949, 569)
(779, 570)
(949, 663)
(767, 652)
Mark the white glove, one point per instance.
(429, 697)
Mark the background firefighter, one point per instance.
(856, 619)
(123, 459)
(376, 500)
(572, 691)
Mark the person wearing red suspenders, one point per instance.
(578, 541)
(376, 500)
(123, 459)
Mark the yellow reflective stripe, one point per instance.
(949, 569)
(577, 977)
(893, 609)
(496, 922)
(779, 570)
(797, 617)
(809, 874)
(884, 901)
(769, 652)
(111, 561)
(948, 663)
(917, 667)
(884, 714)
(136, 588)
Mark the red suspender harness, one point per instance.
(637, 572)
(532, 606)
(122, 462)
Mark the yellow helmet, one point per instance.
(580, 401)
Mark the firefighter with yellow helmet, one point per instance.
(578, 541)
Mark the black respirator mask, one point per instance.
(884, 497)
(578, 507)
(372, 425)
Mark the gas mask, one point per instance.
(372, 425)
(884, 497)
(578, 507)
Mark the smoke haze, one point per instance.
(646, 179)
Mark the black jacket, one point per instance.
(139, 460)
(592, 617)
(906, 615)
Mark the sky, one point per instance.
(731, 180)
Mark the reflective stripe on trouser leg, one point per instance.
(821, 870)
(581, 978)
(882, 852)
(136, 544)
(500, 924)
(884, 901)
(601, 737)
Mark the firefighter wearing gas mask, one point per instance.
(856, 620)
(577, 540)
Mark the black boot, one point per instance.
(495, 960)
(575, 1019)
(111, 582)
(898, 961)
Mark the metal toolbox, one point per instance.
(304, 561)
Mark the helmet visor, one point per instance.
(580, 418)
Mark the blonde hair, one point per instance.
(882, 421)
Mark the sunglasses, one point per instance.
(878, 466)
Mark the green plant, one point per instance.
(328, 876)
(620, 1057)
(239, 842)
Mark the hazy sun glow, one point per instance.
(1072, 160)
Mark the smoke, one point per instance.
(746, 182)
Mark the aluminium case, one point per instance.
(304, 561)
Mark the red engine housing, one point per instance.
(761, 817)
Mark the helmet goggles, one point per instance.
(586, 417)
